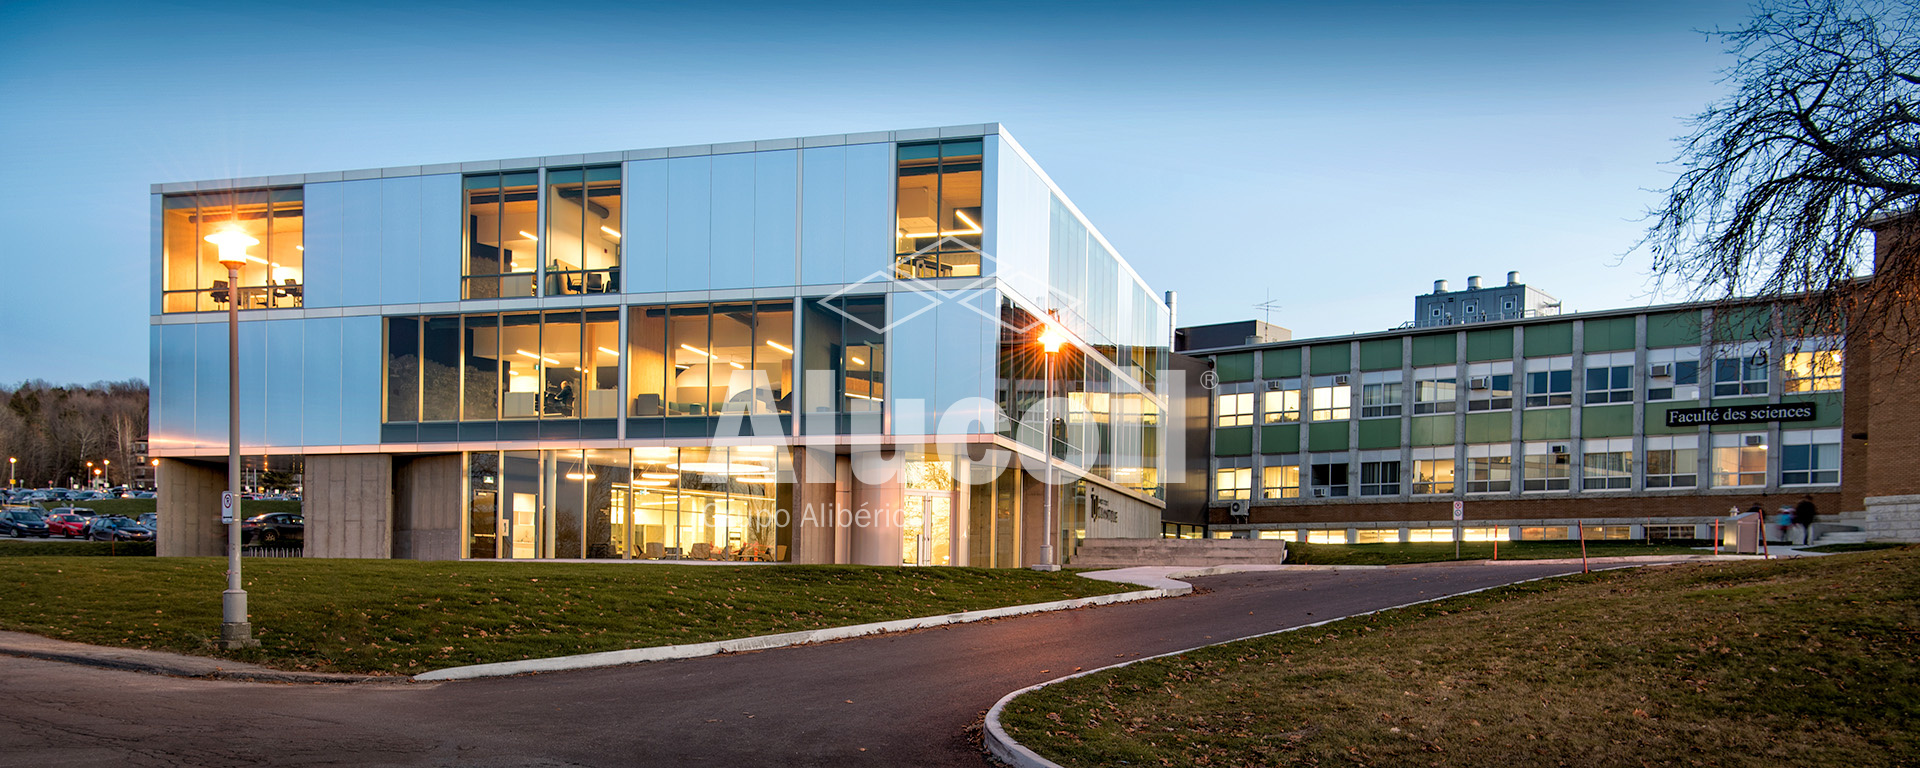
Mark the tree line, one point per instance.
(53, 431)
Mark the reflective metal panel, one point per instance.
(285, 362)
(775, 210)
(210, 384)
(916, 361)
(731, 264)
(400, 255)
(360, 243)
(689, 222)
(645, 235)
(869, 215)
(360, 381)
(320, 396)
(823, 222)
(1019, 206)
(326, 248)
(967, 343)
(174, 400)
(439, 238)
(156, 257)
(253, 383)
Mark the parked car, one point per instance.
(66, 524)
(21, 522)
(150, 520)
(117, 528)
(274, 528)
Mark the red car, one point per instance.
(66, 524)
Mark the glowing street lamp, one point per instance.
(235, 630)
(11, 461)
(1050, 339)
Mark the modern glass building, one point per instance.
(806, 350)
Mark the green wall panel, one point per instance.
(1720, 402)
(1327, 436)
(1280, 363)
(1234, 367)
(1607, 421)
(1233, 441)
(1280, 438)
(1434, 349)
(1332, 358)
(1547, 424)
(1742, 324)
(1489, 427)
(1432, 430)
(1490, 344)
(1673, 329)
(1657, 418)
(1379, 433)
(1380, 355)
(1827, 407)
(1613, 334)
(1549, 340)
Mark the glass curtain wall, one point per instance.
(193, 279)
(841, 337)
(708, 359)
(522, 365)
(939, 218)
(583, 231)
(502, 218)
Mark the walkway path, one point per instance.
(914, 698)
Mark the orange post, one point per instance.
(1496, 545)
(1582, 527)
(1716, 536)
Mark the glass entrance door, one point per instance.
(926, 529)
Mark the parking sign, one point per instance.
(226, 507)
(1459, 511)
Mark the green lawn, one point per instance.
(1396, 554)
(397, 616)
(76, 548)
(1802, 662)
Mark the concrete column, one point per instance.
(349, 505)
(816, 506)
(188, 503)
(875, 533)
(428, 507)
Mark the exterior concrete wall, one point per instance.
(815, 503)
(188, 504)
(427, 506)
(875, 533)
(349, 505)
(1893, 518)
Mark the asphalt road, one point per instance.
(906, 699)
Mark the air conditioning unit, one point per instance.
(1480, 382)
(1754, 440)
(1319, 493)
(1239, 508)
(1274, 386)
(1557, 449)
(1660, 370)
(1340, 380)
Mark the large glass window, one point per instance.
(1609, 378)
(1235, 410)
(1433, 389)
(1739, 459)
(1607, 464)
(1490, 386)
(583, 230)
(939, 218)
(701, 359)
(523, 365)
(1433, 470)
(1489, 468)
(839, 336)
(1740, 370)
(1673, 461)
(1380, 478)
(1332, 398)
(1379, 394)
(193, 280)
(1329, 475)
(1281, 482)
(1547, 467)
(1815, 370)
(1232, 483)
(1282, 405)
(1809, 456)
(502, 240)
(1549, 381)
(1673, 374)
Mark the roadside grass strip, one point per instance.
(1803, 662)
(405, 617)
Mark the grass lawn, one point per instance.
(405, 617)
(1784, 663)
(1865, 546)
(58, 548)
(1434, 552)
(1804, 662)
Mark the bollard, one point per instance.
(1582, 527)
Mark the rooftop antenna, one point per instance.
(1268, 306)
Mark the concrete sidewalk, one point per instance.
(164, 663)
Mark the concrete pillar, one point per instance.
(428, 507)
(875, 533)
(188, 503)
(816, 506)
(349, 505)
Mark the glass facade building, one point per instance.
(725, 351)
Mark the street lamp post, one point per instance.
(1050, 340)
(235, 630)
(11, 461)
(106, 470)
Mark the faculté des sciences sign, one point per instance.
(1741, 414)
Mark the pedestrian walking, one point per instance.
(1783, 525)
(1804, 514)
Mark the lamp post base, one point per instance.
(1043, 567)
(234, 636)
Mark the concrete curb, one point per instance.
(165, 663)
(785, 639)
(1004, 748)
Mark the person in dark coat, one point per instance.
(1803, 516)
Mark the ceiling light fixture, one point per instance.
(610, 231)
(696, 350)
(608, 351)
(780, 346)
(528, 235)
(547, 360)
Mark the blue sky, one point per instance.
(1337, 157)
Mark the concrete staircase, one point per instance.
(1845, 528)
(1194, 552)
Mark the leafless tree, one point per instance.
(1819, 136)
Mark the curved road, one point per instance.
(906, 699)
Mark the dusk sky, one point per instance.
(1335, 157)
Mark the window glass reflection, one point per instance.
(939, 218)
(193, 280)
(583, 231)
(503, 212)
